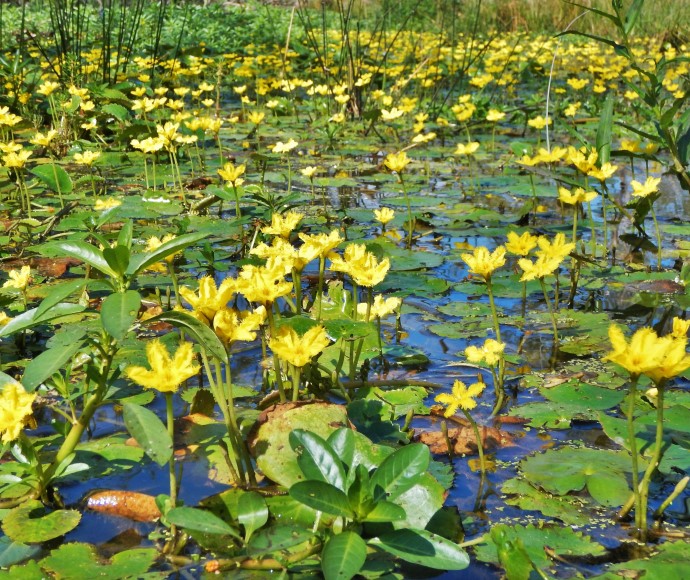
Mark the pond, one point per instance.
(275, 326)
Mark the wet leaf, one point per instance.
(81, 560)
(423, 548)
(343, 556)
(464, 440)
(32, 523)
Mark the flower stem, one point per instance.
(410, 220)
(480, 444)
(551, 311)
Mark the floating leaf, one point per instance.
(600, 471)
(32, 523)
(82, 561)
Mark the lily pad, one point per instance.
(32, 523)
(527, 497)
(601, 472)
(82, 561)
(671, 561)
(269, 441)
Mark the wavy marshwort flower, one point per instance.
(209, 298)
(520, 245)
(361, 265)
(646, 190)
(231, 325)
(298, 350)
(283, 225)
(15, 408)
(464, 398)
(484, 263)
(661, 359)
(166, 373)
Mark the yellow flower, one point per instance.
(231, 326)
(320, 244)
(281, 147)
(299, 350)
(384, 215)
(604, 172)
(361, 265)
(15, 407)
(539, 122)
(19, 279)
(283, 225)
(579, 195)
(392, 114)
(557, 249)
(651, 185)
(104, 204)
(541, 267)
(490, 352)
(461, 397)
(154, 242)
(232, 174)
(44, 139)
(48, 88)
(256, 117)
(16, 160)
(397, 161)
(680, 327)
(86, 158)
(483, 263)
(645, 352)
(494, 115)
(468, 149)
(166, 373)
(380, 308)
(210, 299)
(520, 245)
(263, 284)
(674, 361)
(309, 171)
(148, 145)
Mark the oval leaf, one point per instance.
(54, 176)
(252, 512)
(317, 460)
(342, 442)
(119, 311)
(423, 548)
(81, 251)
(30, 318)
(149, 432)
(199, 521)
(343, 556)
(47, 363)
(322, 497)
(400, 471)
(140, 262)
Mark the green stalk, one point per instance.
(480, 444)
(653, 462)
(593, 241)
(171, 463)
(551, 311)
(276, 360)
(410, 221)
(658, 236)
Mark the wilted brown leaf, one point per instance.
(464, 440)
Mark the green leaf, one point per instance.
(58, 293)
(604, 130)
(276, 539)
(562, 541)
(199, 521)
(82, 561)
(149, 432)
(342, 442)
(252, 512)
(423, 548)
(117, 258)
(270, 442)
(31, 523)
(13, 552)
(527, 497)
(316, 458)
(322, 497)
(511, 554)
(54, 177)
(400, 471)
(47, 363)
(632, 15)
(29, 318)
(117, 111)
(671, 561)
(567, 469)
(119, 311)
(81, 251)
(385, 511)
(140, 262)
(343, 556)
(206, 338)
